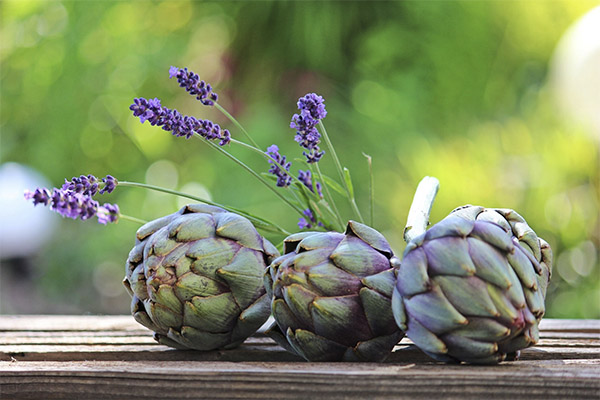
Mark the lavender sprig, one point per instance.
(194, 85)
(280, 167)
(75, 199)
(312, 110)
(306, 178)
(178, 124)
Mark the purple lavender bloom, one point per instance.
(281, 168)
(193, 85)
(108, 213)
(110, 183)
(87, 185)
(312, 110)
(309, 221)
(39, 196)
(75, 199)
(176, 123)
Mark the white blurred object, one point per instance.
(575, 71)
(24, 229)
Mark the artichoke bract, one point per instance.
(196, 278)
(331, 295)
(472, 287)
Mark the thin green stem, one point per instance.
(371, 189)
(340, 170)
(258, 221)
(264, 154)
(235, 122)
(253, 173)
(132, 219)
(328, 194)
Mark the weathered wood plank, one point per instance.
(114, 357)
(179, 380)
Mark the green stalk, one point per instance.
(251, 171)
(132, 219)
(235, 122)
(371, 188)
(264, 154)
(328, 194)
(420, 208)
(201, 200)
(339, 168)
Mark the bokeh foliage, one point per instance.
(457, 90)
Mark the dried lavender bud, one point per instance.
(281, 168)
(176, 123)
(193, 85)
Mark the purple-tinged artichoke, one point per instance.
(331, 295)
(196, 278)
(472, 288)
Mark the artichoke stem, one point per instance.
(418, 216)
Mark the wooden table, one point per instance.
(111, 357)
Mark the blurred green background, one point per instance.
(457, 90)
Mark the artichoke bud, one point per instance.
(196, 278)
(472, 287)
(331, 295)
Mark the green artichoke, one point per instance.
(472, 288)
(331, 295)
(196, 278)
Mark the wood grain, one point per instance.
(112, 357)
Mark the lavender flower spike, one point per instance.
(75, 199)
(312, 110)
(281, 168)
(193, 85)
(178, 124)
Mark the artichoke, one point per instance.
(196, 278)
(472, 288)
(331, 295)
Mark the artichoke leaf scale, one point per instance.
(166, 296)
(300, 300)
(378, 312)
(283, 315)
(494, 235)
(448, 256)
(215, 314)
(413, 277)
(370, 236)
(239, 229)
(329, 280)
(340, 318)
(191, 227)
(451, 226)
(468, 295)
(211, 254)
(490, 263)
(358, 258)
(191, 285)
(314, 347)
(434, 311)
(382, 282)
